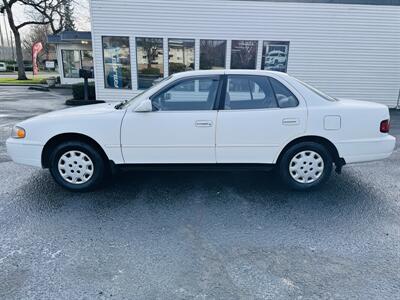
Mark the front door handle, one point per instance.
(204, 123)
(290, 122)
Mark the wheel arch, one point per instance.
(316, 139)
(71, 136)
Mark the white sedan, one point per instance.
(208, 119)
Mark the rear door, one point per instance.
(260, 115)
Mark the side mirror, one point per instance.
(145, 106)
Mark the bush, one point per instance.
(150, 71)
(176, 68)
(10, 68)
(78, 93)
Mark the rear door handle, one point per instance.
(290, 122)
(204, 123)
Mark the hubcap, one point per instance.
(306, 167)
(75, 167)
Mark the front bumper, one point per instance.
(23, 152)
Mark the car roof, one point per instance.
(228, 72)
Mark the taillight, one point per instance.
(385, 126)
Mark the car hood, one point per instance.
(80, 111)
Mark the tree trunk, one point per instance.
(20, 57)
(18, 44)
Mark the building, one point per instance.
(74, 52)
(345, 48)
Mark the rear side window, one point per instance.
(283, 95)
(248, 92)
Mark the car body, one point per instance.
(209, 118)
(3, 67)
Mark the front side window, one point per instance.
(181, 55)
(244, 54)
(71, 63)
(117, 62)
(212, 54)
(283, 95)
(275, 56)
(189, 94)
(150, 61)
(249, 92)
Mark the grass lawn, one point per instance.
(36, 80)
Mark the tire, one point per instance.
(305, 166)
(77, 166)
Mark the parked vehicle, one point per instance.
(208, 119)
(276, 57)
(3, 67)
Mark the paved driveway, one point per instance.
(206, 235)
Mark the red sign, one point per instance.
(36, 48)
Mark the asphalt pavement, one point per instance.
(197, 235)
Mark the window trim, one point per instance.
(178, 81)
(104, 62)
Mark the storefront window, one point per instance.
(244, 54)
(275, 56)
(71, 63)
(181, 55)
(150, 61)
(212, 54)
(117, 62)
(87, 60)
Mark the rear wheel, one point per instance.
(77, 166)
(305, 165)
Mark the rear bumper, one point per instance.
(25, 153)
(366, 150)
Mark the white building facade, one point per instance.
(349, 49)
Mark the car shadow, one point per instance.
(261, 190)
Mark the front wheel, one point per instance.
(77, 166)
(305, 165)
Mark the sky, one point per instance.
(81, 14)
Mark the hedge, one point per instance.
(78, 92)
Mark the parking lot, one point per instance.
(195, 235)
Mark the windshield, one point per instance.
(318, 92)
(126, 103)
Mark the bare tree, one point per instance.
(41, 12)
(38, 33)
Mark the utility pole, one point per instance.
(7, 37)
(12, 46)
(2, 44)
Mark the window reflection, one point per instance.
(150, 61)
(117, 62)
(71, 63)
(181, 55)
(212, 54)
(244, 54)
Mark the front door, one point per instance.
(180, 129)
(260, 115)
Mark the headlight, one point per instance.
(18, 132)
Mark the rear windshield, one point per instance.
(318, 92)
